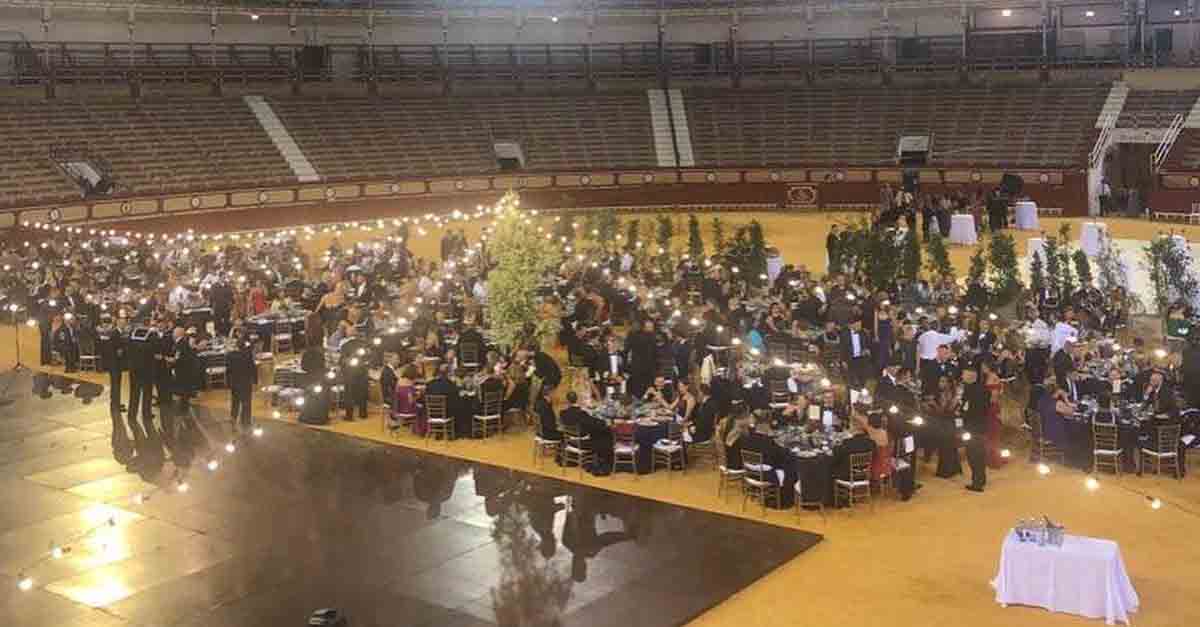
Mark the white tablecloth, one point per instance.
(1091, 236)
(1035, 246)
(1026, 215)
(962, 229)
(1085, 576)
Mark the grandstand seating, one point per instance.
(1156, 108)
(360, 138)
(155, 147)
(1046, 126)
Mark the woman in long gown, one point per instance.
(995, 387)
(943, 408)
(404, 400)
(885, 336)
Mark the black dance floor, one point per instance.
(300, 519)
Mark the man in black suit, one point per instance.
(354, 355)
(890, 391)
(1190, 371)
(1158, 397)
(66, 340)
(111, 343)
(1065, 363)
(545, 368)
(243, 376)
(547, 421)
(856, 353)
(610, 367)
(220, 296)
(643, 358)
(600, 437)
(973, 411)
(935, 369)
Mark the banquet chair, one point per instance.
(726, 476)
(625, 450)
(1165, 451)
(1106, 451)
(281, 337)
(857, 487)
(468, 357)
(215, 370)
(393, 423)
(803, 503)
(543, 445)
(703, 450)
(755, 484)
(437, 418)
(575, 449)
(1043, 449)
(669, 450)
(489, 419)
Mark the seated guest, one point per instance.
(600, 437)
(1053, 408)
(800, 382)
(660, 393)
(704, 419)
(442, 385)
(404, 397)
(1157, 397)
(859, 442)
(1116, 388)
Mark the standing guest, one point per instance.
(547, 421)
(856, 353)
(66, 340)
(1190, 372)
(974, 413)
(995, 387)
(642, 350)
(997, 206)
(220, 296)
(833, 250)
(943, 433)
(387, 379)
(112, 341)
(1052, 408)
(1064, 331)
(243, 376)
(353, 364)
(884, 332)
(929, 344)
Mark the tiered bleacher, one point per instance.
(1027, 126)
(1156, 108)
(360, 138)
(155, 147)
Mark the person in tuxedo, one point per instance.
(610, 368)
(600, 437)
(856, 353)
(889, 390)
(974, 413)
(934, 370)
(353, 357)
(388, 377)
(221, 297)
(1116, 388)
(545, 368)
(243, 376)
(1157, 397)
(66, 341)
(1065, 362)
(643, 358)
(112, 340)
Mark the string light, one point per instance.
(1043, 469)
(1092, 484)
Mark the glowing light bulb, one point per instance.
(1043, 469)
(1005, 453)
(258, 432)
(56, 552)
(25, 584)
(1091, 484)
(213, 464)
(1155, 503)
(966, 436)
(183, 487)
(917, 420)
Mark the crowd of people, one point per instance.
(902, 372)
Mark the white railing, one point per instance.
(1106, 130)
(1164, 147)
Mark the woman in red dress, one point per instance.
(995, 387)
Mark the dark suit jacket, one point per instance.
(976, 401)
(1063, 365)
(864, 344)
(859, 443)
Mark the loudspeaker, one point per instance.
(312, 60)
(508, 165)
(1012, 184)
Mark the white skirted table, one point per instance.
(1084, 576)
(1035, 246)
(1026, 215)
(962, 229)
(1091, 236)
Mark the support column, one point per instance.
(372, 80)
(964, 63)
(663, 70)
(735, 56)
(51, 78)
(587, 50)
